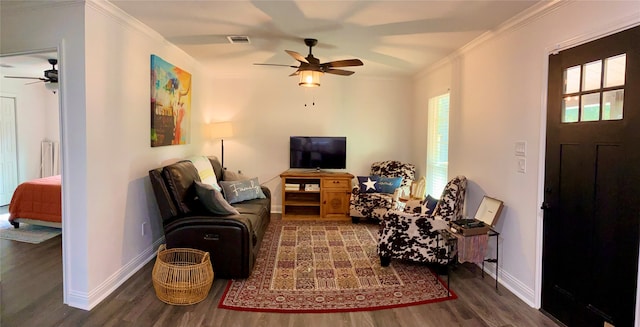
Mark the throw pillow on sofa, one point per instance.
(238, 191)
(233, 176)
(213, 200)
(205, 171)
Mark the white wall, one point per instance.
(498, 98)
(36, 120)
(104, 64)
(104, 67)
(119, 155)
(431, 83)
(265, 109)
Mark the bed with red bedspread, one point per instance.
(37, 202)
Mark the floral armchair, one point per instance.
(415, 236)
(375, 205)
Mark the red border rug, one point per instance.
(318, 267)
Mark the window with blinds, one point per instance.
(437, 144)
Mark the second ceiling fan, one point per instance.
(311, 68)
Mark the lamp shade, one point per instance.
(220, 130)
(310, 78)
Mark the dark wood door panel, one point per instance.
(592, 186)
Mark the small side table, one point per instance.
(448, 235)
(493, 233)
(450, 241)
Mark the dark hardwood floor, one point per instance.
(31, 295)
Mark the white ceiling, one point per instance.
(390, 37)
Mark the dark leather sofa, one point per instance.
(232, 241)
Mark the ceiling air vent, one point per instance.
(235, 39)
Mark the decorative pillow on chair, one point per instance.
(368, 184)
(238, 191)
(429, 204)
(213, 200)
(388, 184)
(205, 171)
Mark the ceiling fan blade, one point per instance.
(297, 56)
(275, 65)
(339, 72)
(23, 77)
(296, 73)
(41, 81)
(344, 63)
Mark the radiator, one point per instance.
(50, 162)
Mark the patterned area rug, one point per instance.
(314, 267)
(26, 233)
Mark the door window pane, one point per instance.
(614, 68)
(612, 102)
(570, 110)
(592, 75)
(594, 90)
(590, 107)
(572, 80)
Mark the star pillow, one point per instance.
(367, 184)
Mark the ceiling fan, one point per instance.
(50, 75)
(311, 68)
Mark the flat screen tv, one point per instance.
(318, 152)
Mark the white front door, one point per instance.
(8, 150)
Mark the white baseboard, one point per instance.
(77, 300)
(511, 283)
(87, 301)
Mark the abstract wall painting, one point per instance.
(170, 104)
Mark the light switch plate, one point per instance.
(521, 148)
(522, 165)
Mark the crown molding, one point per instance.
(110, 10)
(518, 21)
(524, 18)
(127, 21)
(609, 28)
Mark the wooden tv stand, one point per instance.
(315, 195)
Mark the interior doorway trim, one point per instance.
(66, 198)
(616, 26)
(14, 140)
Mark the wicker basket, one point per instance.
(182, 276)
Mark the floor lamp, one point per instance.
(221, 131)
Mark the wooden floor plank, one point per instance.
(31, 295)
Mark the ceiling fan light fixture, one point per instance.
(52, 86)
(310, 78)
